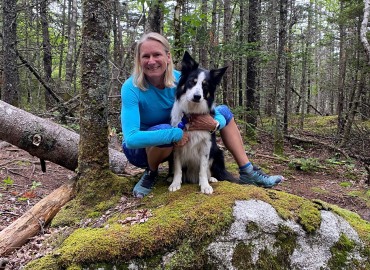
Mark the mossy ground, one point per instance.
(101, 193)
(185, 220)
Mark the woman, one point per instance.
(147, 99)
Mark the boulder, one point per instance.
(237, 227)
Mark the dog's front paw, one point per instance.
(206, 189)
(174, 186)
(212, 180)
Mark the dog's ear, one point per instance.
(216, 75)
(188, 63)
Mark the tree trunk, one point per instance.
(252, 62)
(47, 52)
(280, 89)
(204, 37)
(46, 140)
(27, 226)
(364, 24)
(71, 45)
(227, 79)
(241, 58)
(11, 77)
(342, 74)
(154, 23)
(178, 42)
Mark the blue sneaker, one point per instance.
(146, 183)
(258, 178)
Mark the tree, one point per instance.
(11, 77)
(154, 23)
(253, 40)
(227, 79)
(280, 88)
(47, 51)
(71, 45)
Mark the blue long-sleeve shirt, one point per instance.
(144, 109)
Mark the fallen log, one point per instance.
(47, 140)
(34, 220)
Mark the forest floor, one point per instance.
(319, 176)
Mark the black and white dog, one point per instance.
(200, 160)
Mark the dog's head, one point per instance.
(196, 84)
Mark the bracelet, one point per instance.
(215, 129)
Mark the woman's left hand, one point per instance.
(201, 122)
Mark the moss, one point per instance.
(190, 255)
(345, 184)
(252, 227)
(97, 196)
(339, 251)
(284, 247)
(319, 190)
(183, 219)
(48, 262)
(242, 257)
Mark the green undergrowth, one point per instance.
(363, 195)
(185, 219)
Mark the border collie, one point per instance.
(200, 160)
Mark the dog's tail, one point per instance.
(219, 171)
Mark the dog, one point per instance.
(199, 160)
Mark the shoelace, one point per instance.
(148, 180)
(259, 172)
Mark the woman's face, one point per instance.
(153, 59)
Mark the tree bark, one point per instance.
(154, 22)
(364, 23)
(252, 62)
(227, 79)
(71, 45)
(11, 76)
(47, 51)
(27, 226)
(280, 89)
(178, 44)
(46, 140)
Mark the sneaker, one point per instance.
(260, 179)
(146, 183)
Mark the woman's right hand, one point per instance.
(183, 141)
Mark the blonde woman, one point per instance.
(147, 99)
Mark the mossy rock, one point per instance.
(181, 221)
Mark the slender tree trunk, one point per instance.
(178, 42)
(363, 32)
(241, 39)
(342, 75)
(280, 89)
(352, 113)
(214, 36)
(204, 37)
(47, 52)
(11, 77)
(71, 45)
(61, 54)
(253, 38)
(272, 46)
(227, 79)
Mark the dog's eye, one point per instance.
(191, 83)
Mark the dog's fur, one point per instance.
(200, 160)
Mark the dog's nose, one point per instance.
(196, 97)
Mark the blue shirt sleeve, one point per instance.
(219, 118)
(134, 137)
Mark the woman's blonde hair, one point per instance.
(139, 76)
